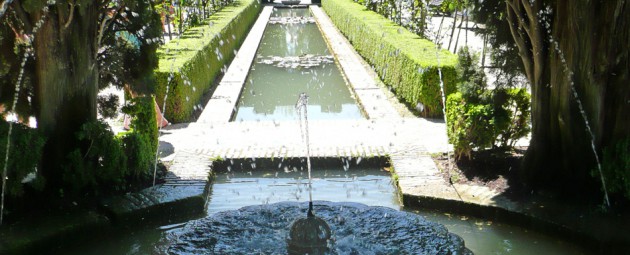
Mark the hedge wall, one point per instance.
(197, 57)
(402, 59)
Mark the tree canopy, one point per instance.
(58, 54)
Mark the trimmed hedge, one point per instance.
(196, 58)
(402, 59)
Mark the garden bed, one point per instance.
(496, 169)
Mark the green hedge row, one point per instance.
(196, 58)
(402, 59)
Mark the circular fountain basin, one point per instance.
(356, 229)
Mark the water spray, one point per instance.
(302, 104)
(27, 54)
(569, 75)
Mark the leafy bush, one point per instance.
(469, 125)
(107, 163)
(192, 62)
(99, 165)
(512, 115)
(140, 145)
(403, 60)
(25, 153)
(107, 105)
(615, 166)
(479, 118)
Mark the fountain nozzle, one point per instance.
(310, 214)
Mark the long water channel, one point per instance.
(293, 58)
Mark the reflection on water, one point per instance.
(488, 237)
(270, 91)
(370, 186)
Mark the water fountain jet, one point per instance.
(308, 235)
(27, 54)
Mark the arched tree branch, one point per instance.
(70, 16)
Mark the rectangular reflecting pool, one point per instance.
(293, 58)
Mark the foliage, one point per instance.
(99, 165)
(25, 152)
(512, 115)
(141, 144)
(108, 105)
(505, 62)
(411, 15)
(403, 60)
(58, 54)
(129, 58)
(195, 11)
(480, 118)
(469, 125)
(125, 52)
(190, 64)
(107, 163)
(616, 167)
(472, 79)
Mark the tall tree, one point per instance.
(75, 46)
(575, 55)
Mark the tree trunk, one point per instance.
(459, 31)
(67, 82)
(560, 151)
(453, 28)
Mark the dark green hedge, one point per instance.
(615, 166)
(402, 59)
(25, 152)
(196, 58)
(108, 163)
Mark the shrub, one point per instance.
(403, 60)
(106, 163)
(194, 60)
(107, 105)
(99, 165)
(25, 152)
(479, 118)
(141, 144)
(615, 166)
(469, 125)
(512, 115)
